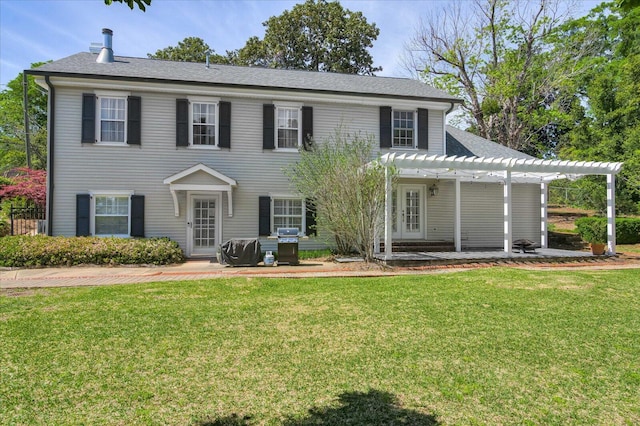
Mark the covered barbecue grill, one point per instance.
(288, 239)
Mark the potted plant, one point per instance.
(594, 231)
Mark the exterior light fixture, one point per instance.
(433, 190)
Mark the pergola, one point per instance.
(502, 170)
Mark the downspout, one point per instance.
(50, 163)
(453, 105)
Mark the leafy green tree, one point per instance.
(607, 118)
(337, 177)
(142, 4)
(191, 49)
(12, 126)
(497, 56)
(315, 35)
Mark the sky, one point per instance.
(40, 30)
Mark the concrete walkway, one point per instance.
(190, 270)
(203, 269)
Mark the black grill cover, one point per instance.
(240, 252)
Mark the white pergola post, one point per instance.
(457, 224)
(611, 214)
(388, 215)
(508, 222)
(544, 243)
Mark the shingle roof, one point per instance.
(465, 144)
(125, 68)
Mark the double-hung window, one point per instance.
(112, 117)
(288, 133)
(288, 213)
(111, 212)
(404, 129)
(203, 124)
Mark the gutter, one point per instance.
(50, 162)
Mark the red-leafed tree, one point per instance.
(29, 184)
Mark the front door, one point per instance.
(408, 212)
(203, 226)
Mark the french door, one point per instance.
(203, 225)
(408, 207)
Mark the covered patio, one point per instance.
(502, 171)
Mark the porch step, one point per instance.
(420, 246)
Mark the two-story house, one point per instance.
(195, 152)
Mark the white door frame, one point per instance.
(400, 232)
(191, 196)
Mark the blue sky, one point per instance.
(39, 30)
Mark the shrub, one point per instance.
(628, 230)
(40, 250)
(594, 229)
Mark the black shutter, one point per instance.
(310, 229)
(137, 215)
(264, 214)
(385, 127)
(225, 125)
(134, 120)
(83, 215)
(268, 126)
(307, 127)
(88, 118)
(423, 128)
(182, 122)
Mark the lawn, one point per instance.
(491, 346)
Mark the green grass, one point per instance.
(492, 346)
(628, 248)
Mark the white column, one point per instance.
(457, 224)
(544, 242)
(611, 214)
(508, 236)
(388, 229)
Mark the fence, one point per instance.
(27, 220)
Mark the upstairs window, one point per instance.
(111, 118)
(203, 119)
(288, 127)
(403, 129)
(112, 115)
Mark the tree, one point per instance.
(346, 188)
(497, 57)
(142, 4)
(607, 118)
(12, 126)
(191, 49)
(315, 35)
(29, 184)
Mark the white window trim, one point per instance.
(101, 193)
(115, 95)
(204, 100)
(287, 197)
(287, 105)
(415, 129)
